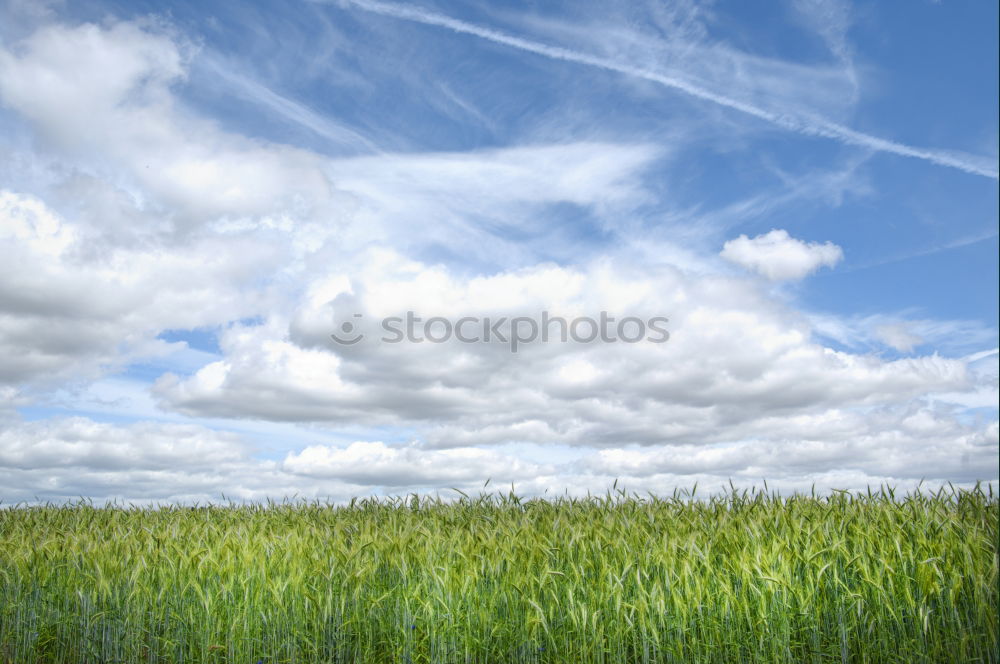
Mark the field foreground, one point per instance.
(494, 579)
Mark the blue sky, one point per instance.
(194, 195)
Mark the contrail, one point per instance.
(808, 125)
(954, 244)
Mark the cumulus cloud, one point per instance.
(906, 443)
(736, 361)
(64, 459)
(104, 95)
(153, 462)
(780, 257)
(69, 314)
(153, 218)
(78, 442)
(375, 463)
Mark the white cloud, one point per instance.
(63, 459)
(898, 336)
(905, 443)
(737, 362)
(151, 462)
(779, 257)
(103, 94)
(81, 443)
(74, 82)
(375, 463)
(29, 222)
(73, 309)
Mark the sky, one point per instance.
(197, 197)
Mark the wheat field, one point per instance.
(744, 577)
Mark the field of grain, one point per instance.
(620, 578)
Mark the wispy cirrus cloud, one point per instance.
(339, 135)
(810, 125)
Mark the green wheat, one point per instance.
(747, 577)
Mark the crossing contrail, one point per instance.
(803, 124)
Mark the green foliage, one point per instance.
(748, 577)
